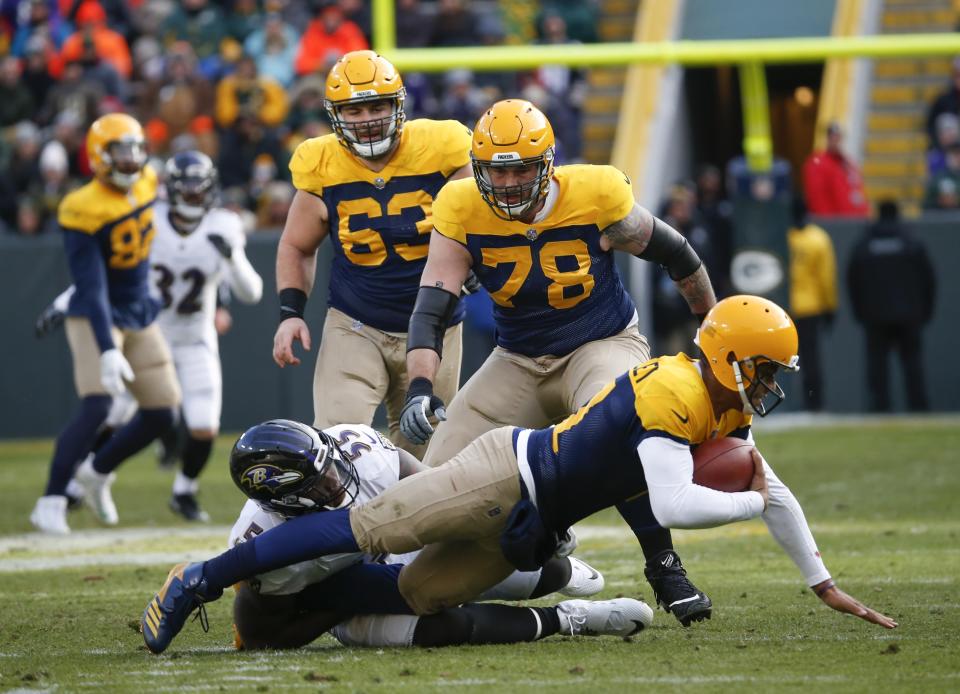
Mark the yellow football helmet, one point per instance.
(117, 149)
(746, 340)
(512, 133)
(363, 77)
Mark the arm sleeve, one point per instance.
(243, 279)
(679, 503)
(788, 526)
(90, 278)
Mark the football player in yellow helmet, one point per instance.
(746, 340)
(117, 150)
(364, 101)
(369, 186)
(115, 343)
(540, 238)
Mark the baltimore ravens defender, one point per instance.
(369, 186)
(540, 239)
(197, 247)
(517, 489)
(108, 230)
(287, 469)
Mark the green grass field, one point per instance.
(881, 499)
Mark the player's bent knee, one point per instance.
(203, 434)
(424, 596)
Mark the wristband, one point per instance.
(420, 386)
(824, 588)
(292, 303)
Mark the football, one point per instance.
(723, 464)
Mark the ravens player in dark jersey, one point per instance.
(502, 502)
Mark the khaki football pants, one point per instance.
(456, 512)
(155, 383)
(358, 367)
(532, 392)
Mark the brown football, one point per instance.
(723, 464)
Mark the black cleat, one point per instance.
(674, 591)
(186, 505)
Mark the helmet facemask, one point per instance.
(356, 134)
(192, 191)
(756, 382)
(335, 485)
(528, 194)
(128, 153)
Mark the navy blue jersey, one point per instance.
(589, 461)
(107, 236)
(554, 289)
(380, 222)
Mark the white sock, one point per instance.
(184, 485)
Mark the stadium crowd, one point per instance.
(241, 80)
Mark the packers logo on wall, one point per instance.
(756, 271)
(269, 477)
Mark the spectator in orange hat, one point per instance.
(110, 46)
(328, 36)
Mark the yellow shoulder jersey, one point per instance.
(380, 221)
(589, 461)
(553, 286)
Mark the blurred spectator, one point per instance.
(948, 133)
(243, 19)
(580, 18)
(947, 102)
(37, 77)
(75, 93)
(942, 189)
(414, 25)
(250, 155)
(328, 36)
(307, 117)
(498, 84)
(813, 297)
(29, 220)
(19, 170)
(107, 44)
(760, 186)
(566, 86)
(358, 12)
(274, 204)
(461, 100)
(95, 69)
(202, 25)
(454, 25)
(235, 200)
(39, 17)
(182, 94)
(69, 129)
(673, 324)
(118, 14)
(892, 291)
(274, 47)
(716, 212)
(247, 92)
(53, 184)
(16, 101)
(832, 181)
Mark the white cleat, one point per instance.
(617, 617)
(584, 580)
(49, 515)
(96, 492)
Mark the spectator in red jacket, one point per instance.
(832, 181)
(328, 36)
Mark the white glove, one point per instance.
(114, 370)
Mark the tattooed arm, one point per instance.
(643, 235)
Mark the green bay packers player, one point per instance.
(107, 231)
(504, 500)
(541, 240)
(369, 186)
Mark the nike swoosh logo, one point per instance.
(640, 627)
(680, 416)
(594, 575)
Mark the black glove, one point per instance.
(472, 285)
(421, 404)
(220, 243)
(48, 321)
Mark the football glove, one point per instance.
(221, 244)
(421, 404)
(114, 370)
(48, 321)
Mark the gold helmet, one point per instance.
(363, 77)
(512, 133)
(117, 150)
(746, 340)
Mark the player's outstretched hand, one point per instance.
(289, 330)
(221, 244)
(759, 481)
(842, 602)
(421, 404)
